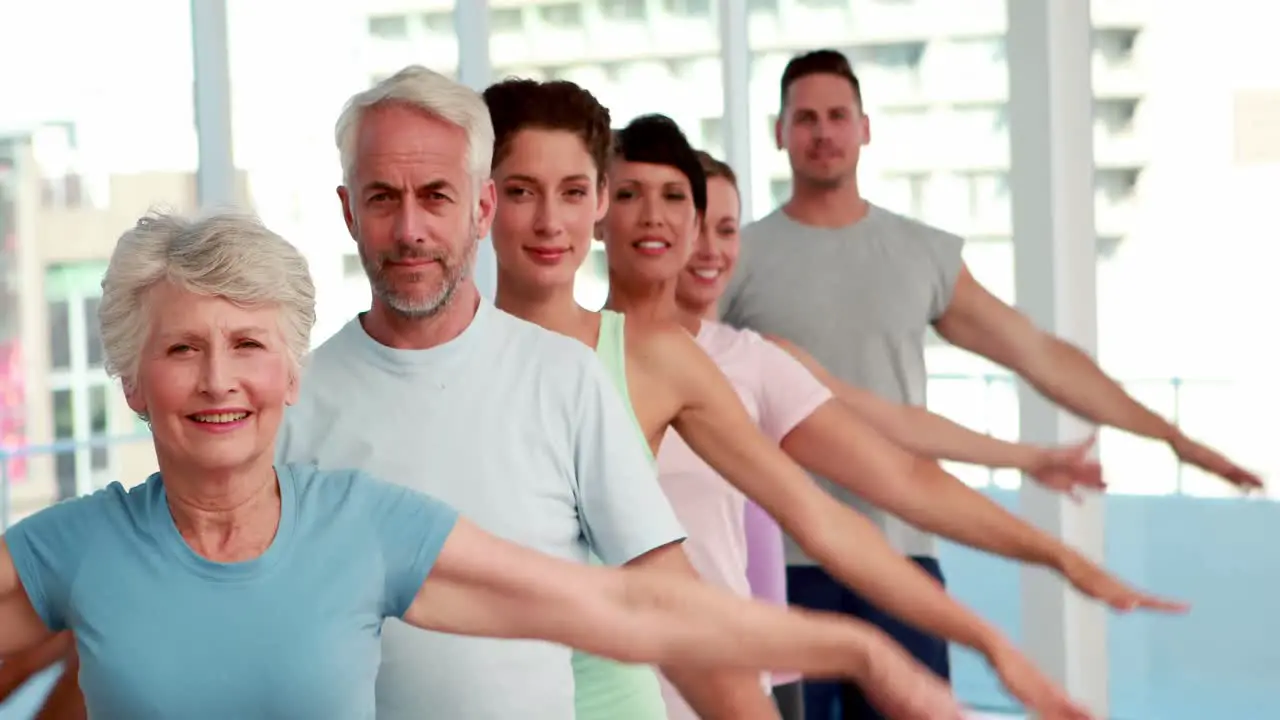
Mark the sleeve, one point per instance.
(947, 254)
(622, 509)
(47, 549)
(789, 393)
(410, 529)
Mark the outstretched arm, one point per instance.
(482, 585)
(717, 427)
(930, 435)
(980, 322)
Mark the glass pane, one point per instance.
(93, 334)
(59, 335)
(64, 415)
(64, 470)
(98, 422)
(64, 425)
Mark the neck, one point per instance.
(553, 308)
(655, 302)
(211, 510)
(691, 315)
(824, 206)
(395, 330)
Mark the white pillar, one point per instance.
(735, 61)
(216, 169)
(1051, 137)
(471, 21)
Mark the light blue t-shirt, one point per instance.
(164, 633)
(522, 431)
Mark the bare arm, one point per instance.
(916, 429)
(980, 322)
(835, 444)
(717, 427)
(482, 585)
(930, 435)
(713, 694)
(20, 627)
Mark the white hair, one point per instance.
(434, 94)
(223, 254)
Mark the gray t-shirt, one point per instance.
(860, 299)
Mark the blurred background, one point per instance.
(98, 123)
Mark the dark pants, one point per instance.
(790, 700)
(813, 588)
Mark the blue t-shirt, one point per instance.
(164, 633)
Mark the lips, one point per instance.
(651, 246)
(706, 276)
(547, 255)
(219, 417)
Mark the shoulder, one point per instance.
(765, 229)
(914, 230)
(81, 519)
(534, 343)
(646, 336)
(335, 349)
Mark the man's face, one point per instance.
(411, 206)
(823, 129)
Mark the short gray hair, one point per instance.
(223, 254)
(433, 93)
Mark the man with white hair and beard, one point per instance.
(516, 427)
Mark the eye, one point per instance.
(379, 198)
(250, 344)
(576, 193)
(438, 197)
(675, 196)
(180, 349)
(517, 192)
(625, 195)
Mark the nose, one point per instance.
(411, 224)
(650, 214)
(216, 379)
(704, 247)
(546, 219)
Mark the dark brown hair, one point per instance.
(714, 168)
(658, 140)
(517, 104)
(819, 62)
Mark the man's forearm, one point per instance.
(1067, 376)
(937, 502)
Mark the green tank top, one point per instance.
(604, 689)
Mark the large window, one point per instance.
(79, 387)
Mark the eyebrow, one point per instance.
(433, 186)
(239, 331)
(519, 177)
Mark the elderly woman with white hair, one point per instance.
(226, 586)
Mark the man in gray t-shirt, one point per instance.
(857, 287)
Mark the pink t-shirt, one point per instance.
(778, 393)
